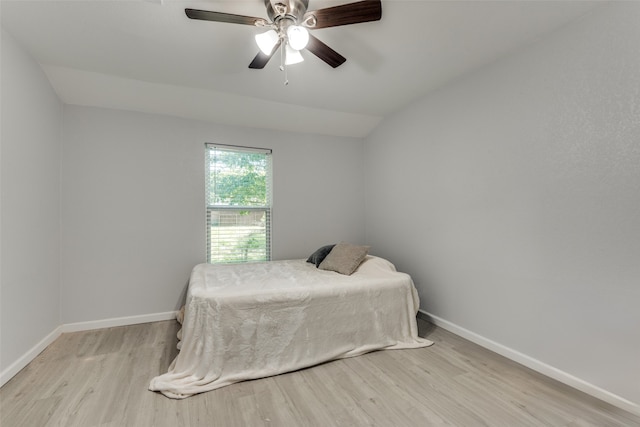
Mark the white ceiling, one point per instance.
(146, 55)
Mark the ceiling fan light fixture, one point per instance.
(287, 27)
(292, 56)
(267, 41)
(298, 37)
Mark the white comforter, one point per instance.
(256, 320)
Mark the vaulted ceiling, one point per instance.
(148, 56)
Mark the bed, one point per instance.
(256, 320)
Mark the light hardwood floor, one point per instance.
(100, 378)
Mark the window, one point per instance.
(238, 187)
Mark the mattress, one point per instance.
(255, 320)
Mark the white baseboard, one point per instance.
(532, 363)
(23, 361)
(118, 321)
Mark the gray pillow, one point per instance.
(318, 256)
(344, 258)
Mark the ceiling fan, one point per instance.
(287, 28)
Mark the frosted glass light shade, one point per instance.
(298, 37)
(292, 56)
(267, 41)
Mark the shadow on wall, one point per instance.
(183, 297)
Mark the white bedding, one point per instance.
(255, 320)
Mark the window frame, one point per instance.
(219, 209)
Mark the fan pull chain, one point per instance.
(283, 64)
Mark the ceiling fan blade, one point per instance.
(351, 13)
(261, 59)
(207, 15)
(324, 52)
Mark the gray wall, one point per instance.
(133, 209)
(30, 205)
(513, 199)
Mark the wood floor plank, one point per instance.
(100, 378)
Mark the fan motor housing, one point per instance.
(278, 9)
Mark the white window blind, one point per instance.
(238, 195)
